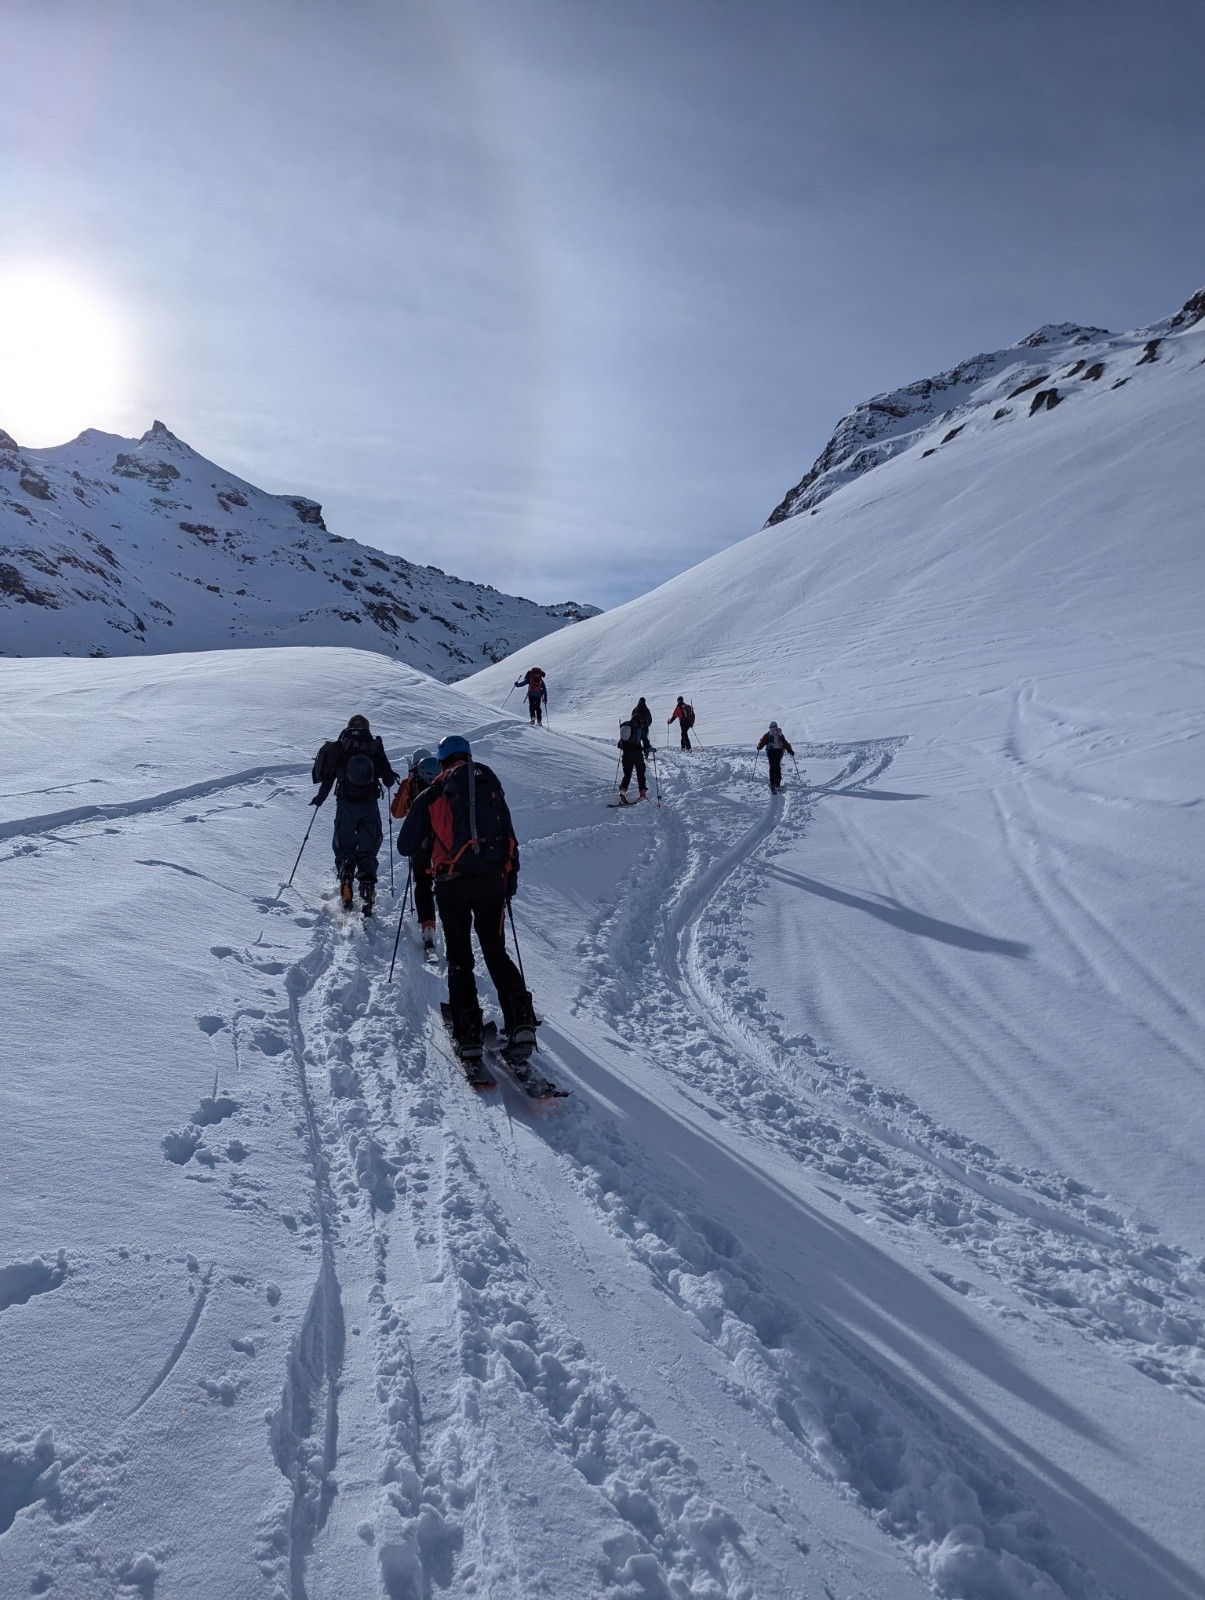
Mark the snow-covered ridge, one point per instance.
(1057, 362)
(112, 546)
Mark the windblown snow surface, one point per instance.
(863, 1260)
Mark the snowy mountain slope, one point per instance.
(1006, 932)
(113, 546)
(287, 1309)
(1035, 374)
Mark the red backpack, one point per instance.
(471, 828)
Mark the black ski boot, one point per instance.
(368, 894)
(467, 1033)
(347, 890)
(430, 950)
(519, 1021)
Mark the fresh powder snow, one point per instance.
(862, 1261)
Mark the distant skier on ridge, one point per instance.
(774, 742)
(684, 716)
(537, 693)
(356, 767)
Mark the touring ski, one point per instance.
(518, 1063)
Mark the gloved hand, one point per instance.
(316, 801)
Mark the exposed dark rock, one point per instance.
(1190, 313)
(308, 511)
(159, 474)
(1032, 384)
(1044, 400)
(1095, 371)
(14, 584)
(35, 484)
(953, 433)
(1150, 352)
(1004, 411)
(231, 497)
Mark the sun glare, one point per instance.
(64, 356)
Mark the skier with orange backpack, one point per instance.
(463, 821)
(424, 769)
(684, 716)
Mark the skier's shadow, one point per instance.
(861, 1306)
(917, 922)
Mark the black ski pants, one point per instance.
(774, 760)
(685, 732)
(357, 839)
(465, 904)
(424, 889)
(535, 707)
(633, 756)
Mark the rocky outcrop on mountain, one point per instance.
(934, 411)
(112, 546)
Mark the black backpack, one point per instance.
(471, 829)
(358, 775)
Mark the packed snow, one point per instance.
(863, 1260)
(112, 546)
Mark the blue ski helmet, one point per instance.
(453, 744)
(428, 769)
(420, 755)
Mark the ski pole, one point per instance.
(514, 933)
(389, 813)
(615, 779)
(400, 920)
(795, 763)
(753, 769)
(656, 778)
(304, 842)
(508, 694)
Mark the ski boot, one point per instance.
(520, 1024)
(347, 890)
(368, 894)
(429, 948)
(467, 1033)
(623, 798)
(644, 794)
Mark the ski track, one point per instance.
(1033, 1230)
(465, 1358)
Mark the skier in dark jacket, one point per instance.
(642, 720)
(424, 769)
(356, 767)
(774, 742)
(475, 870)
(684, 716)
(631, 748)
(537, 693)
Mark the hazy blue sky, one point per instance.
(564, 294)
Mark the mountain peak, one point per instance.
(159, 433)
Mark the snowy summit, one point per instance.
(112, 546)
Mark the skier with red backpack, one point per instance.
(356, 767)
(684, 716)
(463, 820)
(537, 693)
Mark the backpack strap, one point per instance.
(472, 776)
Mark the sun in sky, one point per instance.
(65, 354)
